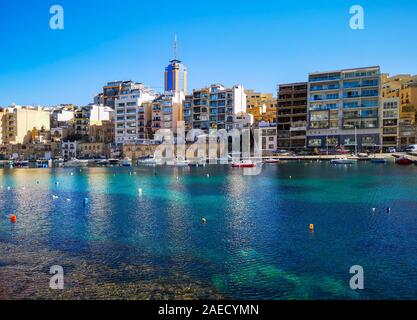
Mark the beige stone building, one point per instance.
(92, 150)
(18, 123)
(404, 88)
(263, 106)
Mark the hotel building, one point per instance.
(404, 88)
(132, 114)
(343, 109)
(263, 106)
(292, 116)
(214, 107)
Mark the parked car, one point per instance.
(392, 150)
(412, 148)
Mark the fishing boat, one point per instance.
(404, 161)
(126, 162)
(244, 164)
(76, 163)
(343, 161)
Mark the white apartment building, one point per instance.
(130, 113)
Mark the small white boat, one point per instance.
(343, 161)
(126, 162)
(148, 162)
(103, 162)
(182, 162)
(198, 162)
(244, 164)
(114, 162)
(271, 160)
(76, 163)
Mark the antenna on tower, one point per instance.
(175, 47)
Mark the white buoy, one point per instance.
(290, 177)
(388, 210)
(72, 173)
(208, 175)
(57, 183)
(373, 209)
(8, 188)
(68, 199)
(140, 191)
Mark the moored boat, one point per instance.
(271, 160)
(404, 161)
(343, 161)
(244, 164)
(126, 162)
(103, 162)
(76, 163)
(379, 160)
(151, 161)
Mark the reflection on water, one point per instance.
(256, 243)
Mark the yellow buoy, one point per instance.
(311, 227)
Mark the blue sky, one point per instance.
(255, 43)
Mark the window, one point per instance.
(314, 143)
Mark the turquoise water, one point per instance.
(256, 243)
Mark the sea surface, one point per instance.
(255, 244)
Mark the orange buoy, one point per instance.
(311, 227)
(13, 218)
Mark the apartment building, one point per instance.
(113, 90)
(167, 111)
(343, 109)
(390, 116)
(69, 150)
(292, 116)
(87, 116)
(404, 88)
(19, 122)
(133, 111)
(214, 107)
(269, 139)
(263, 106)
(62, 115)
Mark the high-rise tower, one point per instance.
(176, 73)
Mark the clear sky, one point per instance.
(256, 43)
